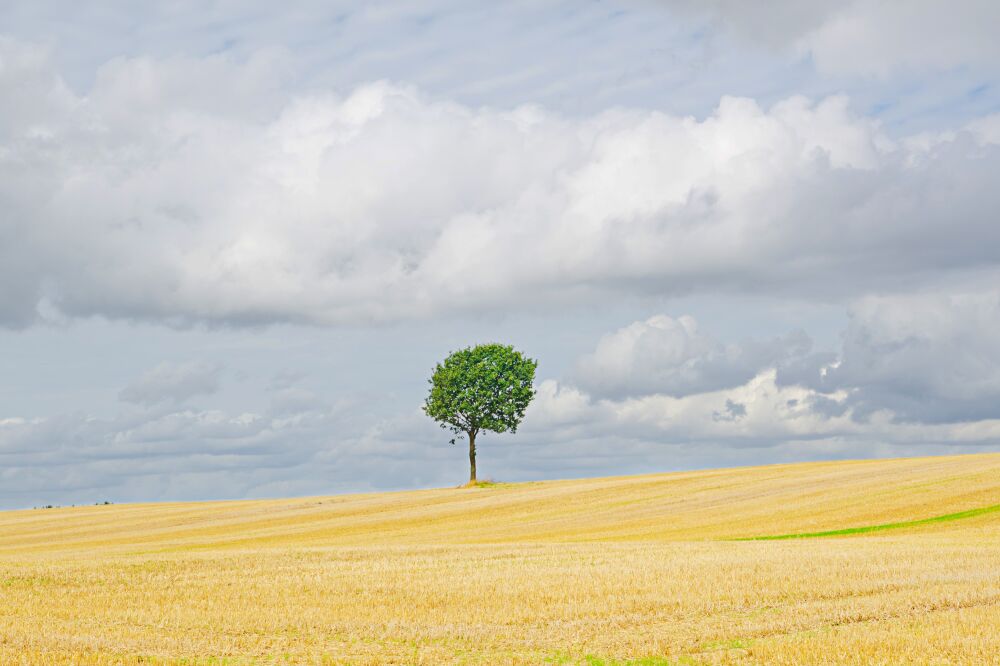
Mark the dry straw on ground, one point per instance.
(640, 570)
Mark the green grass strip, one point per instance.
(971, 513)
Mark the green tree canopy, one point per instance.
(486, 387)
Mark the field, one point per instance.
(878, 562)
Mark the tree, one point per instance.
(480, 388)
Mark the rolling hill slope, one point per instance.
(714, 504)
(867, 562)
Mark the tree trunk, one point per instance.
(472, 457)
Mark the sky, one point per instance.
(236, 237)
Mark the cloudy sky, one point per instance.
(235, 237)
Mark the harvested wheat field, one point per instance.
(878, 562)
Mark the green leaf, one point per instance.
(486, 387)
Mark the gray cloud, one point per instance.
(192, 454)
(929, 358)
(174, 382)
(673, 357)
(732, 412)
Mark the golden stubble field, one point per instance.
(634, 570)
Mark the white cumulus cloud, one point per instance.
(214, 198)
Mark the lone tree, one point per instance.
(486, 387)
